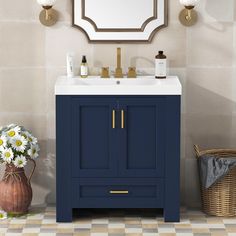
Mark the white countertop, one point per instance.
(94, 85)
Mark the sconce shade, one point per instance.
(46, 2)
(189, 2)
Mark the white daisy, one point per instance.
(11, 126)
(3, 215)
(20, 161)
(33, 152)
(30, 137)
(19, 143)
(3, 142)
(14, 131)
(7, 155)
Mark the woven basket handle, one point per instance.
(197, 150)
(32, 172)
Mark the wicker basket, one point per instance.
(220, 198)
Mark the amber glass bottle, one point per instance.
(84, 68)
(160, 63)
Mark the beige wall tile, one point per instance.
(23, 44)
(181, 73)
(34, 123)
(233, 132)
(52, 76)
(105, 55)
(44, 179)
(18, 10)
(174, 8)
(210, 44)
(215, 10)
(171, 39)
(62, 38)
(64, 8)
(183, 136)
(210, 90)
(51, 125)
(234, 44)
(182, 181)
(234, 10)
(192, 185)
(208, 131)
(23, 90)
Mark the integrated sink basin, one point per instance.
(93, 81)
(94, 85)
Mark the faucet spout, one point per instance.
(118, 72)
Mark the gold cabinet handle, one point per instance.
(122, 119)
(113, 119)
(119, 192)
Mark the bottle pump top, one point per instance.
(160, 55)
(84, 60)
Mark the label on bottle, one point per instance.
(160, 68)
(84, 70)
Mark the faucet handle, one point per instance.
(132, 72)
(105, 72)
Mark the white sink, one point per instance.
(95, 81)
(143, 85)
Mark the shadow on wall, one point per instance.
(215, 8)
(44, 179)
(210, 123)
(210, 119)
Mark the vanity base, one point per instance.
(118, 152)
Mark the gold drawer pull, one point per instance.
(113, 119)
(119, 192)
(122, 119)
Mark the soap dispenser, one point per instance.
(84, 68)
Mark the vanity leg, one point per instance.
(172, 160)
(64, 215)
(63, 159)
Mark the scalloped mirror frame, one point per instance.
(143, 34)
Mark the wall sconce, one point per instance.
(48, 16)
(188, 16)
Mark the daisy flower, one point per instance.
(19, 143)
(7, 155)
(11, 126)
(20, 161)
(14, 131)
(30, 137)
(3, 142)
(33, 152)
(3, 215)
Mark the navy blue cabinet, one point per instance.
(93, 140)
(120, 152)
(141, 139)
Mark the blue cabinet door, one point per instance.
(142, 137)
(93, 137)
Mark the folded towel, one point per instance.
(213, 168)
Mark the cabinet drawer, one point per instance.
(115, 193)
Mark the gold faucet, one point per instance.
(118, 72)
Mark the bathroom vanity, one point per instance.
(118, 144)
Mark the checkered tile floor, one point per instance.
(41, 221)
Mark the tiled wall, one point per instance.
(204, 57)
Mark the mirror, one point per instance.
(120, 20)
